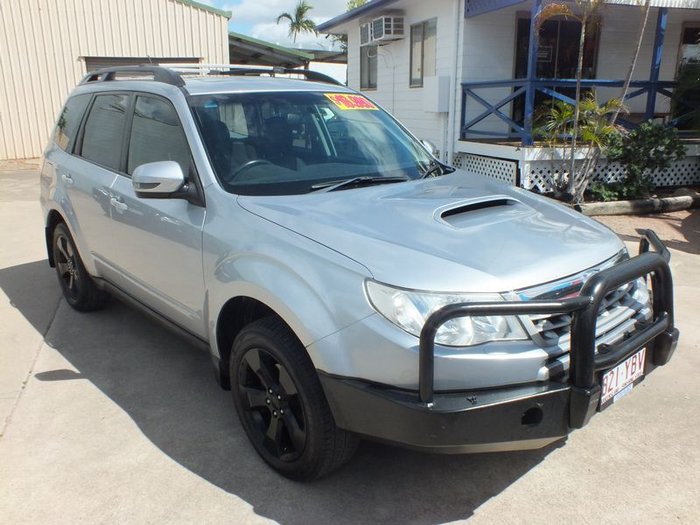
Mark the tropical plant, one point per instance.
(646, 7)
(299, 22)
(592, 122)
(648, 148)
(579, 173)
(588, 10)
(354, 4)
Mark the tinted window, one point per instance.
(69, 122)
(156, 134)
(102, 139)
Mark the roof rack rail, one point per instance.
(227, 70)
(173, 75)
(313, 76)
(160, 74)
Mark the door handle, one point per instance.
(118, 205)
(67, 179)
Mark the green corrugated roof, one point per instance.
(206, 7)
(275, 47)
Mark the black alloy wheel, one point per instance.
(67, 265)
(76, 284)
(281, 403)
(271, 405)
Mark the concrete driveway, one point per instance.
(108, 418)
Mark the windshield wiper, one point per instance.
(433, 167)
(355, 181)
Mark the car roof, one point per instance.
(221, 84)
(202, 80)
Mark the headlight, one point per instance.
(409, 310)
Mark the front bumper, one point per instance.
(521, 417)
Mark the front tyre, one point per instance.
(76, 284)
(281, 403)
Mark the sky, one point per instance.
(257, 18)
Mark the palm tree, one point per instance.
(299, 22)
(588, 10)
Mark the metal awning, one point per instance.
(479, 7)
(328, 56)
(246, 50)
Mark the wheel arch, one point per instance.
(53, 219)
(237, 313)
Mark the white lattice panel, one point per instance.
(499, 169)
(686, 172)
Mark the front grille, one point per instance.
(618, 313)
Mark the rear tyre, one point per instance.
(76, 284)
(281, 404)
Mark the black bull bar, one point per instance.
(584, 362)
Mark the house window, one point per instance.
(686, 97)
(557, 48)
(368, 67)
(558, 42)
(690, 44)
(423, 51)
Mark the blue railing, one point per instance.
(527, 89)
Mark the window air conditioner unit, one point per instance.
(365, 34)
(387, 28)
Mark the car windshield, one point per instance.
(285, 143)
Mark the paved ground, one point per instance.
(107, 418)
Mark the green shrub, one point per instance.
(648, 148)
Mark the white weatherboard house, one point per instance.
(468, 75)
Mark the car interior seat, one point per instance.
(217, 141)
(280, 136)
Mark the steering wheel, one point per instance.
(247, 166)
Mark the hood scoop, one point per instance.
(455, 213)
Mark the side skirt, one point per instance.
(162, 320)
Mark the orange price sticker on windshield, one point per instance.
(346, 102)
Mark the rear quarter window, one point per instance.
(69, 121)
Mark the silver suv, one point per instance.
(347, 283)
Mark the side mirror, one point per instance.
(158, 179)
(432, 149)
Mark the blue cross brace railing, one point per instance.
(474, 93)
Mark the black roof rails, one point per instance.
(314, 76)
(160, 74)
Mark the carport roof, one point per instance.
(246, 50)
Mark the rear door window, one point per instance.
(156, 135)
(104, 128)
(69, 121)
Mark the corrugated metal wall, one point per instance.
(43, 44)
